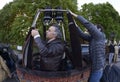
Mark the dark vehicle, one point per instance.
(85, 49)
(85, 53)
(77, 67)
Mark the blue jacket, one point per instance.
(96, 41)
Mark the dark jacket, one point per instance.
(96, 41)
(111, 48)
(51, 54)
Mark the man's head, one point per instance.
(53, 32)
(100, 27)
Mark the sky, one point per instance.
(114, 3)
(3, 2)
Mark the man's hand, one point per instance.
(73, 14)
(34, 32)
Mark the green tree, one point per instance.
(17, 16)
(103, 14)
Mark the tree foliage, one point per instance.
(103, 14)
(17, 16)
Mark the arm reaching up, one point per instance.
(73, 14)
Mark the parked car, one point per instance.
(85, 49)
(85, 53)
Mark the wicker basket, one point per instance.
(27, 75)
